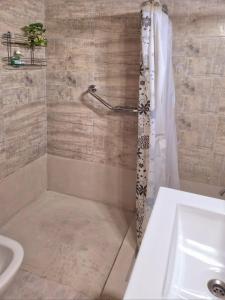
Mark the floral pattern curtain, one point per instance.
(157, 145)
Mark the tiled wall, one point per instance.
(199, 61)
(92, 42)
(98, 42)
(22, 95)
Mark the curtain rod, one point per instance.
(157, 3)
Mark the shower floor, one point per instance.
(70, 247)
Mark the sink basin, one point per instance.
(183, 251)
(11, 257)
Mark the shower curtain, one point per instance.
(157, 163)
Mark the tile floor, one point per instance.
(70, 247)
(117, 282)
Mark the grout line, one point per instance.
(113, 264)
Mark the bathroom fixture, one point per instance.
(217, 288)
(11, 257)
(12, 41)
(92, 90)
(182, 250)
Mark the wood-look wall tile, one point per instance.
(23, 116)
(98, 42)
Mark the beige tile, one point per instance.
(22, 187)
(197, 130)
(119, 277)
(218, 170)
(209, 190)
(100, 182)
(33, 287)
(69, 240)
(196, 164)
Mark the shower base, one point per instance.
(70, 245)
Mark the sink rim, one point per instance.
(148, 276)
(14, 265)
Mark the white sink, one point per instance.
(182, 250)
(11, 257)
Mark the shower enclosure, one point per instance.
(67, 162)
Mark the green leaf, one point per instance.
(35, 34)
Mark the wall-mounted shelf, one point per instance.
(15, 41)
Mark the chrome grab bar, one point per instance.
(92, 90)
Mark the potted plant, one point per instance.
(35, 34)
